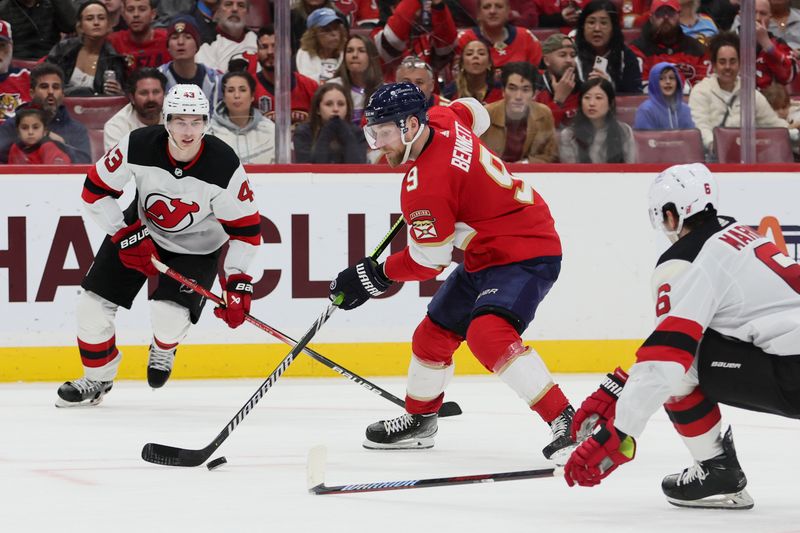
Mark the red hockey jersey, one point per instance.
(152, 53)
(521, 45)
(15, 89)
(459, 194)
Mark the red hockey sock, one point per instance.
(551, 404)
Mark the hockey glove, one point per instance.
(599, 455)
(136, 247)
(359, 283)
(238, 294)
(600, 406)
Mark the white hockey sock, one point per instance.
(426, 381)
(170, 321)
(707, 445)
(95, 317)
(528, 376)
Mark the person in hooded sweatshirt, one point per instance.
(235, 121)
(664, 109)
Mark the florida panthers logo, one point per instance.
(8, 104)
(169, 214)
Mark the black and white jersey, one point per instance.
(189, 207)
(722, 276)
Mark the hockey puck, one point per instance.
(216, 463)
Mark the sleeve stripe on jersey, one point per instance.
(402, 267)
(94, 178)
(246, 229)
(249, 220)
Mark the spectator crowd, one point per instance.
(572, 81)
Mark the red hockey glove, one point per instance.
(600, 406)
(136, 247)
(238, 293)
(599, 455)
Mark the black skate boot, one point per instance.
(82, 392)
(716, 483)
(402, 433)
(562, 444)
(159, 366)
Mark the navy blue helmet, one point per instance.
(395, 102)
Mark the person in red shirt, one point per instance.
(412, 30)
(508, 43)
(458, 194)
(15, 82)
(774, 58)
(141, 44)
(33, 146)
(303, 88)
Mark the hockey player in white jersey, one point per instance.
(192, 197)
(727, 331)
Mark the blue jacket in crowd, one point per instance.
(656, 113)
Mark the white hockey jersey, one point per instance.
(725, 277)
(189, 207)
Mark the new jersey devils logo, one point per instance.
(169, 214)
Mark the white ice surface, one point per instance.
(65, 470)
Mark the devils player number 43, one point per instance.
(244, 192)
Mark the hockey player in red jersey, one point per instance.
(192, 198)
(459, 194)
(728, 331)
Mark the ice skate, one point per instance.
(716, 483)
(159, 366)
(562, 444)
(407, 432)
(82, 392)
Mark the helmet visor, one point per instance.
(380, 135)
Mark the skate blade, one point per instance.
(61, 403)
(736, 501)
(561, 456)
(425, 443)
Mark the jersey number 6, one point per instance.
(778, 262)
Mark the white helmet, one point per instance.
(185, 99)
(690, 188)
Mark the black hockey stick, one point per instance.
(447, 409)
(316, 478)
(172, 456)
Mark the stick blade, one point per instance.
(449, 409)
(160, 454)
(315, 467)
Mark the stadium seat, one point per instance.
(668, 146)
(96, 141)
(94, 111)
(772, 145)
(627, 106)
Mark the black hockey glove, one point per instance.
(359, 283)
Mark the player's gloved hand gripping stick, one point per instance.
(172, 456)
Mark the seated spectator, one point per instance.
(91, 64)
(322, 45)
(722, 12)
(508, 43)
(599, 35)
(47, 92)
(360, 72)
(782, 104)
(146, 89)
(233, 36)
(183, 41)
(560, 80)
(33, 146)
(299, 14)
(15, 83)
(785, 22)
(715, 101)
(115, 20)
(236, 122)
(662, 39)
(169, 9)
(203, 14)
(414, 70)
(359, 13)
(556, 13)
(596, 136)
(37, 24)
(141, 44)
(664, 108)
(404, 34)
(474, 75)
(698, 26)
(330, 135)
(774, 59)
(521, 130)
(303, 88)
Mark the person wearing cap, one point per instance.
(322, 45)
(662, 39)
(183, 41)
(400, 36)
(14, 82)
(38, 24)
(559, 78)
(521, 130)
(233, 36)
(141, 44)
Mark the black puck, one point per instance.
(216, 463)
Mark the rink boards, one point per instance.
(315, 222)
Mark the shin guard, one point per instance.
(431, 367)
(170, 323)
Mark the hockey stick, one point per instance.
(172, 456)
(447, 409)
(315, 471)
